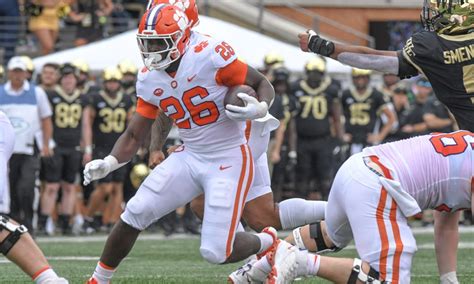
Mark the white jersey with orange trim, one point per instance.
(436, 170)
(7, 141)
(194, 97)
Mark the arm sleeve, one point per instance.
(146, 110)
(44, 107)
(233, 74)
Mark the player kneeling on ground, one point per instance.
(15, 242)
(372, 196)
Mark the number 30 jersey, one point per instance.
(67, 116)
(436, 170)
(110, 120)
(194, 96)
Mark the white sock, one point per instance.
(44, 274)
(266, 241)
(296, 212)
(308, 263)
(313, 262)
(263, 265)
(103, 273)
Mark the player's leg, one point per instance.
(225, 194)
(96, 203)
(169, 186)
(15, 243)
(72, 160)
(52, 169)
(303, 168)
(323, 164)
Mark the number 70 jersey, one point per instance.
(194, 96)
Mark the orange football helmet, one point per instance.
(163, 36)
(189, 7)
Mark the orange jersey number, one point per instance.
(451, 143)
(201, 114)
(225, 50)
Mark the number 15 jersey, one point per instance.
(194, 96)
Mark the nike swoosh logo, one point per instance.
(224, 168)
(192, 78)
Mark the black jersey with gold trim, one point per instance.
(361, 112)
(67, 116)
(448, 63)
(110, 118)
(315, 108)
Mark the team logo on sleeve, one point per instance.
(158, 92)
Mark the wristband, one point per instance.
(88, 149)
(292, 154)
(320, 46)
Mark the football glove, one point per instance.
(98, 169)
(253, 109)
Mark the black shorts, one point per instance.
(64, 165)
(116, 176)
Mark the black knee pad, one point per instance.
(15, 233)
(316, 233)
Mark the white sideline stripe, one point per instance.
(103, 238)
(81, 258)
(462, 245)
(159, 237)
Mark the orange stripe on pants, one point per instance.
(394, 225)
(235, 214)
(248, 129)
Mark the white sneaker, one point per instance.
(284, 264)
(273, 233)
(59, 280)
(247, 273)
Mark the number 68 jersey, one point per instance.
(436, 170)
(194, 96)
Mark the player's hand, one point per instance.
(305, 38)
(46, 152)
(156, 158)
(374, 139)
(86, 158)
(347, 138)
(275, 157)
(95, 170)
(173, 148)
(253, 109)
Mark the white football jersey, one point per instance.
(436, 170)
(193, 97)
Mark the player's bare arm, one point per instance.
(133, 137)
(258, 82)
(357, 56)
(159, 132)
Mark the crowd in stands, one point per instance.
(67, 117)
(44, 22)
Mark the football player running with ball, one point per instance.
(443, 53)
(186, 77)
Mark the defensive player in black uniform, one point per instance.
(61, 169)
(362, 105)
(319, 111)
(444, 53)
(105, 120)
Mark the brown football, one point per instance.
(232, 98)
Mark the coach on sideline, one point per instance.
(28, 109)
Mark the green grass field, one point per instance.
(177, 260)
